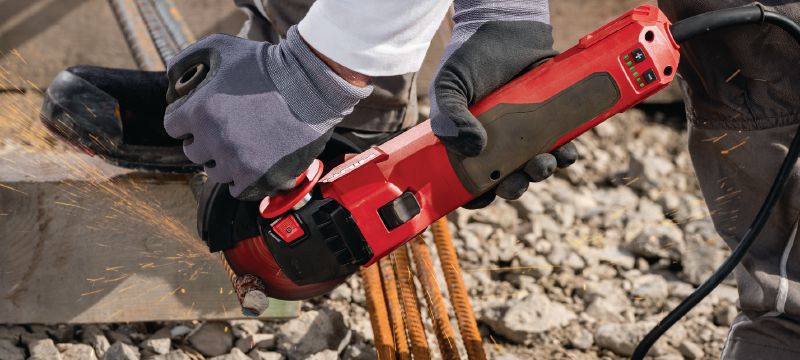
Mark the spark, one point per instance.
(734, 75)
(120, 291)
(191, 309)
(715, 139)
(13, 189)
(169, 294)
(194, 275)
(70, 205)
(92, 292)
(727, 151)
(497, 346)
(630, 181)
(129, 199)
(33, 85)
(728, 196)
(16, 53)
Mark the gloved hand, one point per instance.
(493, 41)
(261, 114)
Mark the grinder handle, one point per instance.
(517, 132)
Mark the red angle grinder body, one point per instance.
(310, 239)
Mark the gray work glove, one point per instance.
(493, 41)
(261, 114)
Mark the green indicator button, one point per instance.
(638, 79)
(641, 85)
(636, 74)
(626, 57)
(633, 68)
(630, 63)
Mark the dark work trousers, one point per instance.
(742, 93)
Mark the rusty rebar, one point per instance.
(378, 315)
(433, 296)
(249, 290)
(395, 310)
(410, 305)
(137, 36)
(177, 26)
(457, 291)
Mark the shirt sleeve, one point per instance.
(375, 37)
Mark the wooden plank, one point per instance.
(94, 243)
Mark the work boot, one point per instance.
(115, 114)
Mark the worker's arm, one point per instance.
(493, 41)
(375, 37)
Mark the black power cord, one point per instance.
(685, 30)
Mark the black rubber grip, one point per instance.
(518, 132)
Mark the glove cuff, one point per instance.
(319, 96)
(478, 12)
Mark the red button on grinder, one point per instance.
(288, 229)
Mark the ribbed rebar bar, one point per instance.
(138, 37)
(433, 296)
(395, 310)
(378, 315)
(457, 291)
(410, 305)
(174, 21)
(249, 289)
(157, 27)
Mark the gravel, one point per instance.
(235, 354)
(580, 267)
(312, 332)
(95, 337)
(725, 314)
(173, 355)
(521, 321)
(212, 339)
(76, 351)
(122, 351)
(43, 350)
(623, 338)
(691, 350)
(159, 343)
(9, 351)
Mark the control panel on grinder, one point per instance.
(640, 69)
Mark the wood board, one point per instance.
(119, 247)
